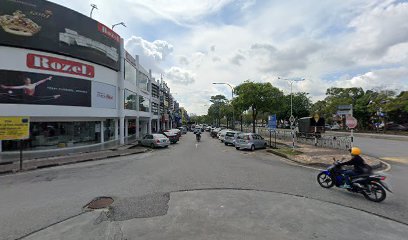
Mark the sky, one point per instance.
(192, 43)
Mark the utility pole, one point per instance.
(292, 118)
(232, 97)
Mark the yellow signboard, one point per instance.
(316, 117)
(14, 128)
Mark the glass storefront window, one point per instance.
(143, 81)
(130, 100)
(130, 73)
(48, 135)
(144, 104)
(131, 127)
(109, 129)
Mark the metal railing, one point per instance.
(325, 141)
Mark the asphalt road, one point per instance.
(191, 174)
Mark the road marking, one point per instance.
(396, 159)
(196, 145)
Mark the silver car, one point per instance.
(250, 141)
(230, 137)
(155, 140)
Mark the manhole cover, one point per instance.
(100, 202)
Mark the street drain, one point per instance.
(99, 203)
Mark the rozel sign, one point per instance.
(46, 26)
(37, 61)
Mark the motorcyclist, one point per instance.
(198, 135)
(360, 167)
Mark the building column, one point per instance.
(126, 128)
(121, 130)
(158, 125)
(137, 128)
(102, 132)
(149, 126)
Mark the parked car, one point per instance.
(155, 140)
(221, 134)
(208, 128)
(335, 127)
(183, 130)
(230, 137)
(175, 131)
(174, 138)
(214, 132)
(250, 141)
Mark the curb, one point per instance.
(48, 163)
(379, 166)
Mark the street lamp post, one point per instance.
(292, 118)
(232, 97)
(121, 23)
(93, 6)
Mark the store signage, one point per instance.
(14, 128)
(130, 59)
(46, 26)
(18, 87)
(59, 65)
(108, 32)
(103, 95)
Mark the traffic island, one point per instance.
(319, 157)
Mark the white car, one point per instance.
(221, 134)
(335, 127)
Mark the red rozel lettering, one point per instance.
(108, 32)
(59, 65)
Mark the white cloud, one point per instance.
(364, 42)
(379, 29)
(151, 53)
(237, 59)
(178, 11)
(178, 75)
(390, 78)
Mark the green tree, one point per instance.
(301, 106)
(259, 97)
(215, 110)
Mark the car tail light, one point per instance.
(157, 141)
(382, 178)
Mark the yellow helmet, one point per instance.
(355, 151)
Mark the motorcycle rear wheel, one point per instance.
(374, 192)
(324, 180)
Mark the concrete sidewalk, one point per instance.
(224, 214)
(6, 157)
(58, 160)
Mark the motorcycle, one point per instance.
(198, 137)
(370, 185)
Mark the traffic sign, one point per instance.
(272, 122)
(344, 112)
(351, 122)
(292, 119)
(14, 128)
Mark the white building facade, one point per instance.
(78, 87)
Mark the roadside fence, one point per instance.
(325, 141)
